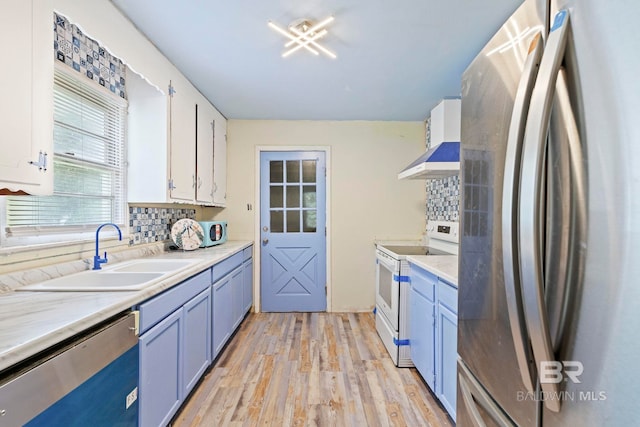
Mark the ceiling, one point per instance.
(395, 60)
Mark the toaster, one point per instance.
(215, 233)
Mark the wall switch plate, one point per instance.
(132, 397)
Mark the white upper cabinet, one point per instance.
(211, 155)
(173, 138)
(220, 163)
(206, 122)
(26, 105)
(147, 141)
(182, 145)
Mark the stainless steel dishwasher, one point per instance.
(93, 380)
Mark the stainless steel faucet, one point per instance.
(96, 259)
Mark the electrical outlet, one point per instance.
(132, 397)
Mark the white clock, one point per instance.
(187, 234)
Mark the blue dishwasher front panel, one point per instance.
(100, 400)
(91, 380)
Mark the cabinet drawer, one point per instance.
(223, 267)
(423, 282)
(159, 307)
(247, 253)
(448, 296)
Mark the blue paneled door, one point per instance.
(292, 230)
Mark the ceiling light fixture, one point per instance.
(303, 34)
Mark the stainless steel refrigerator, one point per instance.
(549, 277)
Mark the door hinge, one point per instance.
(41, 164)
(325, 231)
(171, 186)
(171, 90)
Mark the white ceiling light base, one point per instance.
(304, 34)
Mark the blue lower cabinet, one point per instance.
(232, 297)
(433, 334)
(422, 337)
(447, 347)
(183, 329)
(197, 339)
(237, 300)
(222, 295)
(175, 347)
(446, 359)
(160, 391)
(247, 285)
(247, 280)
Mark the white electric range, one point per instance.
(392, 285)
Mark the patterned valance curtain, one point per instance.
(87, 57)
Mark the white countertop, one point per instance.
(443, 266)
(34, 321)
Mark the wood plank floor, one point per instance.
(309, 369)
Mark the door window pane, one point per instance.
(293, 171)
(293, 221)
(309, 171)
(277, 222)
(309, 196)
(275, 171)
(276, 197)
(309, 221)
(293, 196)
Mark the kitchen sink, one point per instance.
(129, 276)
(95, 281)
(157, 265)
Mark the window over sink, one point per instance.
(89, 168)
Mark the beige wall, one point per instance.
(367, 202)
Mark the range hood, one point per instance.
(438, 162)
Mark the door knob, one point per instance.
(265, 241)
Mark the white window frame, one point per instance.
(54, 236)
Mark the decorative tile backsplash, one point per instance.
(72, 47)
(443, 199)
(443, 195)
(147, 225)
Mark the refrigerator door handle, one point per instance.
(566, 215)
(533, 154)
(474, 395)
(510, 185)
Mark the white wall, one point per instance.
(367, 202)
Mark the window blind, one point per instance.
(89, 162)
